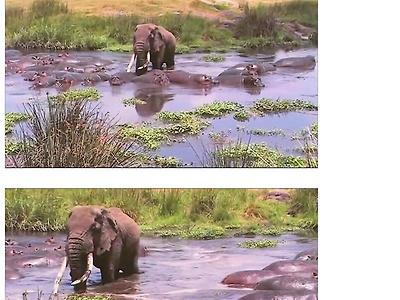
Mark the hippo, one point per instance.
(12, 54)
(249, 278)
(303, 63)
(189, 79)
(287, 266)
(287, 282)
(157, 77)
(32, 75)
(12, 273)
(86, 69)
(249, 69)
(44, 82)
(93, 78)
(249, 81)
(280, 295)
(122, 77)
(311, 254)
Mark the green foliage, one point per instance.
(304, 202)
(87, 94)
(167, 162)
(259, 244)
(242, 115)
(47, 8)
(70, 134)
(184, 213)
(218, 109)
(85, 297)
(264, 106)
(302, 11)
(190, 125)
(133, 101)
(147, 136)
(213, 57)
(272, 132)
(13, 118)
(258, 21)
(14, 147)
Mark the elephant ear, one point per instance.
(109, 232)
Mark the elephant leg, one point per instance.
(132, 263)
(170, 59)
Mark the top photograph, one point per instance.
(161, 84)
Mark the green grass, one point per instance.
(259, 244)
(184, 213)
(213, 57)
(50, 24)
(12, 118)
(150, 137)
(217, 109)
(304, 203)
(87, 94)
(265, 106)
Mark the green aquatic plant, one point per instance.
(213, 57)
(13, 118)
(87, 297)
(167, 162)
(259, 244)
(133, 101)
(242, 115)
(71, 134)
(190, 125)
(87, 94)
(173, 117)
(217, 109)
(204, 232)
(145, 135)
(272, 132)
(264, 106)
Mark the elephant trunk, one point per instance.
(78, 259)
(142, 56)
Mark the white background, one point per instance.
(358, 176)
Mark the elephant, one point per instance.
(280, 295)
(189, 79)
(249, 69)
(249, 278)
(287, 266)
(154, 41)
(303, 63)
(311, 254)
(122, 77)
(288, 283)
(249, 81)
(104, 237)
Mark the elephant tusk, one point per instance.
(88, 271)
(146, 63)
(59, 277)
(133, 58)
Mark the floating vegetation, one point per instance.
(167, 162)
(251, 155)
(205, 232)
(172, 117)
(263, 132)
(145, 135)
(259, 230)
(80, 297)
(190, 125)
(213, 57)
(259, 244)
(264, 106)
(133, 102)
(218, 109)
(88, 94)
(13, 118)
(242, 115)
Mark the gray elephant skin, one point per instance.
(108, 236)
(156, 41)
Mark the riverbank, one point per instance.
(51, 24)
(183, 213)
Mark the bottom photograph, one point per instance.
(121, 244)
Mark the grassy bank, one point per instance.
(52, 24)
(186, 213)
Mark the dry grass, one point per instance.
(147, 8)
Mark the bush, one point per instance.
(258, 21)
(46, 8)
(71, 134)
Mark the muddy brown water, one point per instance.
(173, 269)
(281, 84)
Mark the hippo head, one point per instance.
(205, 80)
(251, 70)
(87, 81)
(253, 81)
(63, 84)
(115, 80)
(69, 69)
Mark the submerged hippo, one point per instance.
(156, 77)
(288, 283)
(287, 266)
(280, 295)
(44, 82)
(249, 278)
(122, 77)
(249, 69)
(303, 63)
(311, 254)
(93, 78)
(248, 81)
(190, 79)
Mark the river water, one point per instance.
(281, 84)
(173, 268)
